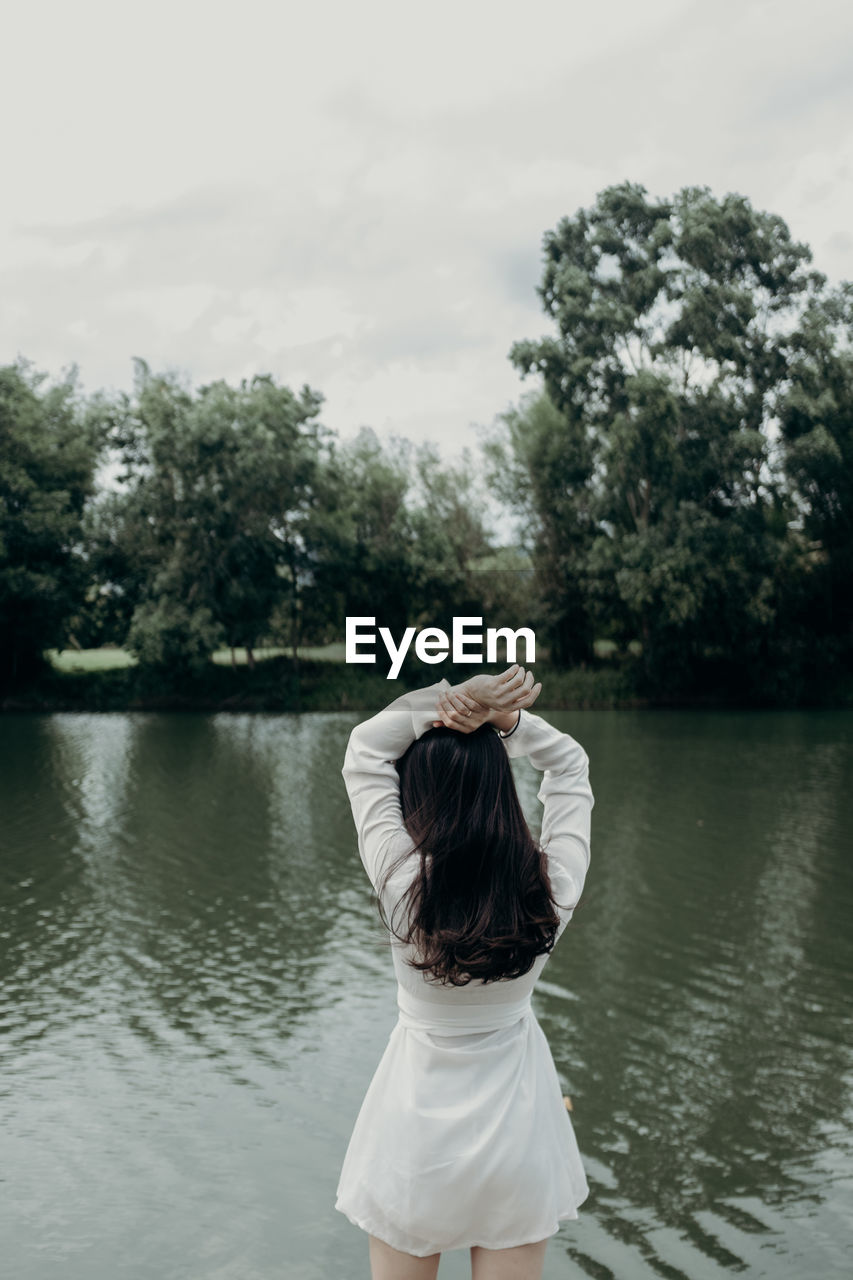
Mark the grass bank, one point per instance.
(109, 680)
(104, 680)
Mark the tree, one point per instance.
(450, 540)
(541, 464)
(360, 538)
(393, 535)
(209, 529)
(48, 454)
(661, 508)
(816, 418)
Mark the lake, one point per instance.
(196, 989)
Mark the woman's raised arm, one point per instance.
(371, 778)
(565, 794)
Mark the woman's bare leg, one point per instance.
(525, 1262)
(390, 1264)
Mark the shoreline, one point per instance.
(275, 685)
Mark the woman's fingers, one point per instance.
(448, 718)
(454, 703)
(464, 702)
(516, 679)
(456, 709)
(462, 710)
(528, 693)
(517, 683)
(525, 693)
(522, 684)
(532, 695)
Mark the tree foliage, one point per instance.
(650, 463)
(209, 529)
(49, 447)
(242, 520)
(682, 477)
(394, 534)
(816, 422)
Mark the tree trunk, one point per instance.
(250, 657)
(294, 617)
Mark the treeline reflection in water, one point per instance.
(196, 989)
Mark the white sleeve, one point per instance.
(371, 778)
(565, 794)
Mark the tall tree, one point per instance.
(450, 539)
(816, 419)
(677, 324)
(360, 537)
(49, 448)
(541, 464)
(219, 485)
(394, 534)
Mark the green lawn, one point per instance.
(89, 659)
(110, 657)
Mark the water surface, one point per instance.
(196, 990)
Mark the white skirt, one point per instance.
(463, 1137)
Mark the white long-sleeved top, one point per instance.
(373, 787)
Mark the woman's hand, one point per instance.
(460, 711)
(505, 693)
(484, 699)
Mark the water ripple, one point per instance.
(196, 988)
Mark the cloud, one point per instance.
(355, 196)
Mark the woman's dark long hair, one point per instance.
(480, 904)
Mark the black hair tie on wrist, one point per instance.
(514, 727)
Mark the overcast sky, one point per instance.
(354, 195)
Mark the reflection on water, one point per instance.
(196, 990)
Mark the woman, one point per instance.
(463, 1139)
